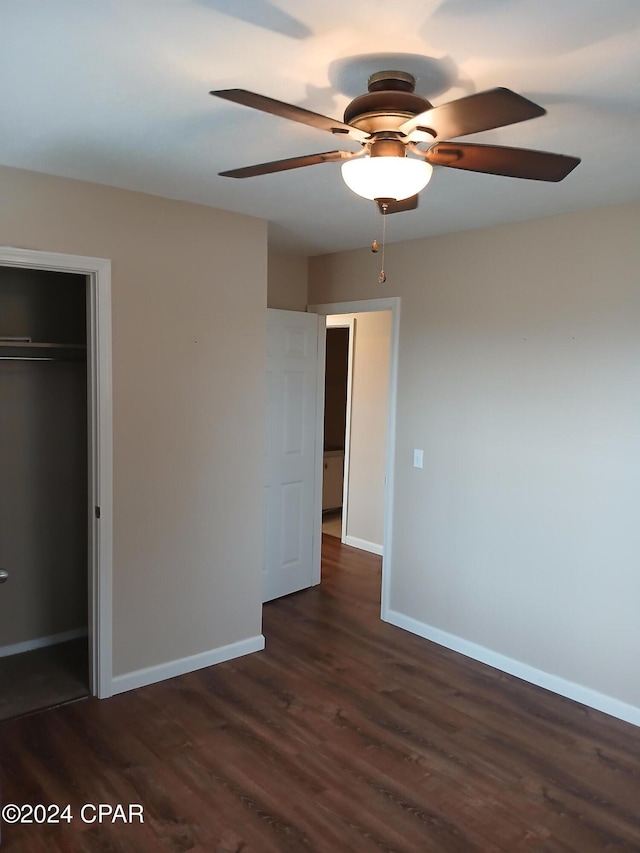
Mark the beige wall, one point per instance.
(518, 375)
(286, 281)
(189, 299)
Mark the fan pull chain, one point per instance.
(375, 248)
(383, 276)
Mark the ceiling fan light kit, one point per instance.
(391, 121)
(394, 178)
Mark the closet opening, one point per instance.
(45, 496)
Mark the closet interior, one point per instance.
(44, 513)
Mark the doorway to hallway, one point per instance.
(361, 454)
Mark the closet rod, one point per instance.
(36, 358)
(6, 342)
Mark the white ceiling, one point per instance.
(116, 91)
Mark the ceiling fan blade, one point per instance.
(483, 111)
(497, 160)
(290, 163)
(284, 110)
(390, 205)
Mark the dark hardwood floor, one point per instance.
(345, 734)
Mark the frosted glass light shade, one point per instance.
(386, 177)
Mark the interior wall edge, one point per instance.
(42, 642)
(364, 545)
(563, 687)
(161, 672)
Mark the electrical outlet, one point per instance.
(418, 458)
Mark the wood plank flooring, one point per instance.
(345, 734)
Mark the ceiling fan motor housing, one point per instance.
(390, 101)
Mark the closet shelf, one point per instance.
(17, 350)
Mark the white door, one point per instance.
(291, 452)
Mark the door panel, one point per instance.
(290, 459)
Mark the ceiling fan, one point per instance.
(391, 122)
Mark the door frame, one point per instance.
(100, 446)
(390, 303)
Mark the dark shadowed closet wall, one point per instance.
(43, 456)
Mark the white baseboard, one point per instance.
(568, 689)
(152, 674)
(372, 547)
(41, 642)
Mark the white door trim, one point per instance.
(390, 303)
(100, 435)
